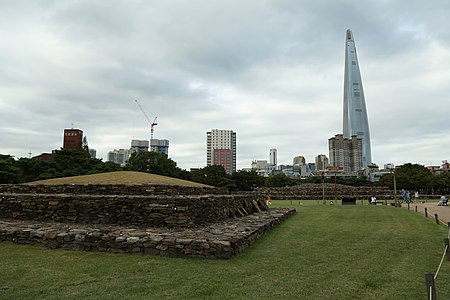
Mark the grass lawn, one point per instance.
(120, 177)
(322, 252)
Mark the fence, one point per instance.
(430, 277)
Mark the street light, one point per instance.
(395, 188)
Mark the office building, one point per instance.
(221, 149)
(355, 113)
(73, 138)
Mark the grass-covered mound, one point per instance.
(121, 177)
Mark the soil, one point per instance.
(443, 212)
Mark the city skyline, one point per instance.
(274, 75)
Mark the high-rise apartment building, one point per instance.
(355, 113)
(160, 146)
(221, 149)
(321, 162)
(346, 153)
(139, 146)
(119, 156)
(73, 138)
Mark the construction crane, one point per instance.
(152, 124)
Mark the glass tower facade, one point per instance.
(355, 113)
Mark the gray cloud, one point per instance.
(270, 70)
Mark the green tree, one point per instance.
(246, 181)
(214, 175)
(409, 177)
(33, 169)
(441, 183)
(10, 172)
(64, 162)
(279, 180)
(153, 162)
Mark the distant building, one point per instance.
(444, 168)
(93, 153)
(43, 156)
(221, 149)
(345, 153)
(73, 138)
(321, 162)
(262, 168)
(139, 146)
(389, 166)
(289, 170)
(273, 157)
(119, 156)
(160, 146)
(299, 161)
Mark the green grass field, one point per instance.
(322, 252)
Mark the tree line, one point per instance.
(73, 162)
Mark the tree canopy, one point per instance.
(62, 163)
(409, 177)
(153, 162)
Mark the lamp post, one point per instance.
(395, 188)
(323, 187)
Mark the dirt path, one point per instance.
(443, 212)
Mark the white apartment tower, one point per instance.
(273, 157)
(221, 149)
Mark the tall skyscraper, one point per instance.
(221, 149)
(355, 113)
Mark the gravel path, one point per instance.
(443, 212)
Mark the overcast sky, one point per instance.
(272, 71)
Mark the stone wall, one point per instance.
(315, 192)
(219, 240)
(146, 219)
(109, 189)
(149, 211)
